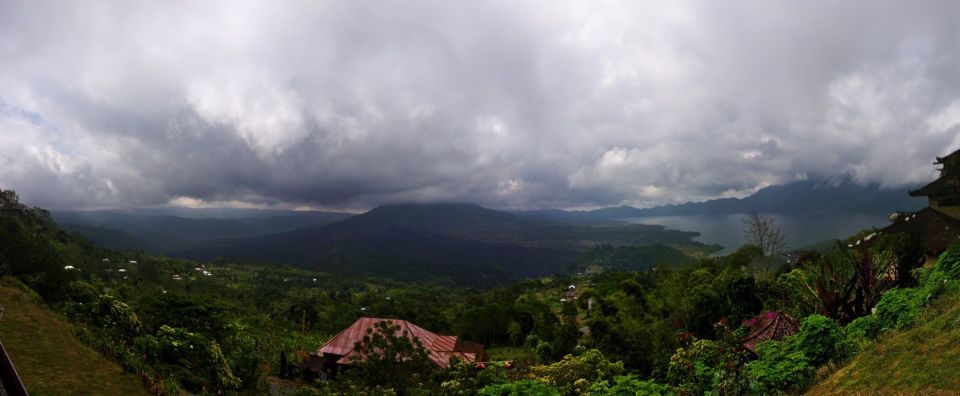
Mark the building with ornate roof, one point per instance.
(937, 226)
(943, 194)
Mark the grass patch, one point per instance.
(48, 357)
(922, 360)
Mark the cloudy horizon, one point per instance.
(521, 105)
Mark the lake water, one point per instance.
(799, 230)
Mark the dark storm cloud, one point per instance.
(535, 104)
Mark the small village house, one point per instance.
(339, 351)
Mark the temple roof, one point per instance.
(936, 186)
(947, 158)
(768, 325)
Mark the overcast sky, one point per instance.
(350, 104)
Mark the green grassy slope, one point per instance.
(48, 357)
(924, 360)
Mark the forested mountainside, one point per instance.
(465, 243)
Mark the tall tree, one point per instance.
(763, 232)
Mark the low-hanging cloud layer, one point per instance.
(351, 104)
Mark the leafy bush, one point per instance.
(821, 340)
(781, 367)
(711, 367)
(577, 371)
(462, 378)
(692, 368)
(198, 362)
(789, 365)
(862, 330)
(900, 308)
(105, 312)
(519, 388)
(628, 385)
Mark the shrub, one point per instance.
(781, 367)
(462, 378)
(789, 365)
(707, 366)
(544, 350)
(821, 340)
(862, 330)
(519, 388)
(692, 367)
(588, 367)
(628, 385)
(198, 362)
(900, 308)
(105, 312)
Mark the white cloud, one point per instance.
(570, 104)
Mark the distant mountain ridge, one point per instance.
(461, 242)
(160, 230)
(802, 197)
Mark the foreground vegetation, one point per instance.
(49, 358)
(924, 359)
(670, 328)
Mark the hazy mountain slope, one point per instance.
(49, 359)
(459, 241)
(475, 223)
(803, 197)
(105, 237)
(160, 231)
(391, 251)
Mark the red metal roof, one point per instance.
(440, 347)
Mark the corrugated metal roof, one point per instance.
(440, 347)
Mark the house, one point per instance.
(569, 294)
(937, 226)
(943, 194)
(10, 203)
(339, 351)
(768, 325)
